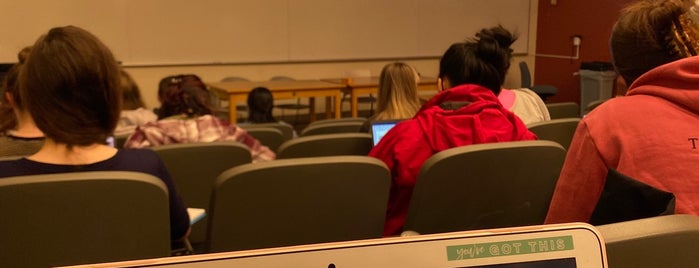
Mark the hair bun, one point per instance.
(493, 46)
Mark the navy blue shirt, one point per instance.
(137, 160)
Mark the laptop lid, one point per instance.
(380, 128)
(571, 245)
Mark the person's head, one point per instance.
(171, 85)
(650, 33)
(260, 104)
(10, 101)
(23, 54)
(397, 93)
(483, 60)
(173, 98)
(70, 86)
(191, 101)
(131, 94)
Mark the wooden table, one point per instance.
(369, 85)
(238, 92)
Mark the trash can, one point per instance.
(596, 82)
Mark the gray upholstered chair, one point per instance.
(287, 130)
(664, 241)
(298, 201)
(332, 128)
(558, 130)
(326, 145)
(194, 168)
(485, 186)
(84, 217)
(268, 136)
(593, 104)
(338, 120)
(563, 110)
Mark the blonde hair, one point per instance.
(398, 97)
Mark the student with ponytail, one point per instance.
(466, 111)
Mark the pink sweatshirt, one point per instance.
(651, 135)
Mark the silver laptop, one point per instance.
(574, 245)
(380, 128)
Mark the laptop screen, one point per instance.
(573, 245)
(380, 128)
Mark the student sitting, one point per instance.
(467, 111)
(186, 116)
(73, 81)
(260, 105)
(133, 110)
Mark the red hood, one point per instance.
(482, 120)
(677, 82)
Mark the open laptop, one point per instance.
(574, 245)
(380, 128)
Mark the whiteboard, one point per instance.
(175, 32)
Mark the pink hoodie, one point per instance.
(651, 135)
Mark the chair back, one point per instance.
(332, 128)
(194, 168)
(84, 217)
(268, 136)
(234, 79)
(593, 104)
(485, 186)
(326, 145)
(287, 130)
(338, 120)
(544, 91)
(563, 110)
(558, 130)
(298, 201)
(664, 241)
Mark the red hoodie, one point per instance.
(433, 129)
(651, 135)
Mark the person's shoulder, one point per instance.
(139, 160)
(11, 166)
(138, 156)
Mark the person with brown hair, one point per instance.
(133, 110)
(652, 133)
(466, 111)
(397, 94)
(185, 116)
(19, 136)
(70, 86)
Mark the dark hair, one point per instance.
(260, 104)
(190, 100)
(8, 119)
(642, 36)
(70, 85)
(130, 93)
(171, 85)
(483, 60)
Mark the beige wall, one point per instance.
(148, 77)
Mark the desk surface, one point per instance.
(373, 81)
(245, 87)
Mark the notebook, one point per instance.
(380, 128)
(572, 245)
(195, 215)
